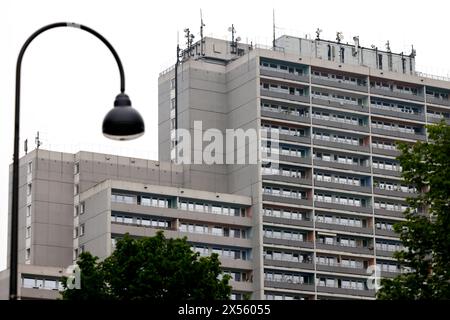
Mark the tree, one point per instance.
(426, 237)
(152, 268)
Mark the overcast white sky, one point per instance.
(69, 78)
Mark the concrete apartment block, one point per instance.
(305, 226)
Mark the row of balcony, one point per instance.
(319, 246)
(340, 186)
(328, 226)
(346, 126)
(324, 289)
(304, 78)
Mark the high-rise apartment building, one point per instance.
(310, 223)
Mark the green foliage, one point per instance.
(425, 236)
(152, 268)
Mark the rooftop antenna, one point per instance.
(201, 33)
(318, 32)
(339, 36)
(189, 39)
(37, 141)
(388, 46)
(233, 31)
(273, 29)
(413, 52)
(25, 146)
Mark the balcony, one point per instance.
(340, 125)
(433, 119)
(353, 292)
(386, 233)
(339, 105)
(288, 264)
(289, 243)
(302, 160)
(285, 116)
(385, 253)
(286, 221)
(297, 139)
(288, 179)
(341, 186)
(395, 94)
(394, 193)
(343, 207)
(386, 152)
(347, 146)
(385, 172)
(338, 247)
(283, 75)
(399, 134)
(340, 227)
(434, 100)
(389, 213)
(338, 165)
(341, 269)
(389, 274)
(286, 96)
(289, 285)
(398, 114)
(339, 84)
(296, 201)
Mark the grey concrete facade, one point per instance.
(351, 110)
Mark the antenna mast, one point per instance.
(202, 41)
(273, 28)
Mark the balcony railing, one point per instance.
(289, 116)
(346, 291)
(296, 201)
(283, 95)
(375, 109)
(338, 247)
(288, 242)
(289, 285)
(339, 84)
(340, 105)
(271, 72)
(397, 94)
(400, 134)
(339, 124)
(289, 264)
(339, 165)
(335, 144)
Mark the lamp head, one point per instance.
(123, 122)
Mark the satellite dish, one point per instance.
(238, 39)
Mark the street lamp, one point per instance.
(122, 122)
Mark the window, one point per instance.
(82, 229)
(75, 232)
(28, 232)
(29, 211)
(76, 189)
(75, 254)
(76, 168)
(30, 167)
(82, 207)
(29, 186)
(27, 254)
(341, 55)
(172, 83)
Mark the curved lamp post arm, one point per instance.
(15, 178)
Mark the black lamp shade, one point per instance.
(123, 122)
